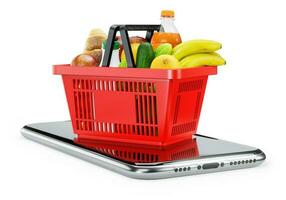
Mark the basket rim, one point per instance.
(66, 69)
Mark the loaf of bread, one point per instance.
(95, 39)
(97, 53)
(92, 53)
(97, 31)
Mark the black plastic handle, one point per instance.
(123, 29)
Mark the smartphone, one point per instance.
(200, 155)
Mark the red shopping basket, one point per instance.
(143, 106)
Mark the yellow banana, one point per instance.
(202, 59)
(195, 46)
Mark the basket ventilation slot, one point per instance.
(191, 85)
(177, 109)
(146, 106)
(146, 113)
(146, 109)
(115, 128)
(113, 85)
(183, 128)
(196, 113)
(84, 111)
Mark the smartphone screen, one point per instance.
(200, 146)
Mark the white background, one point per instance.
(245, 102)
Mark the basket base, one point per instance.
(138, 142)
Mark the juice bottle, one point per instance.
(168, 32)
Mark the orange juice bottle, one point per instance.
(168, 32)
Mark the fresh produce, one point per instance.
(137, 39)
(166, 55)
(132, 39)
(195, 46)
(134, 49)
(123, 63)
(163, 49)
(85, 60)
(145, 55)
(202, 59)
(165, 62)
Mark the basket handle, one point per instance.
(123, 29)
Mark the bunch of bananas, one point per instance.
(195, 53)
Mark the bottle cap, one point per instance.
(167, 13)
(115, 46)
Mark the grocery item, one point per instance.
(202, 59)
(85, 60)
(165, 62)
(163, 49)
(123, 63)
(114, 61)
(94, 42)
(97, 53)
(134, 49)
(95, 39)
(97, 31)
(132, 39)
(137, 39)
(195, 46)
(168, 32)
(145, 55)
